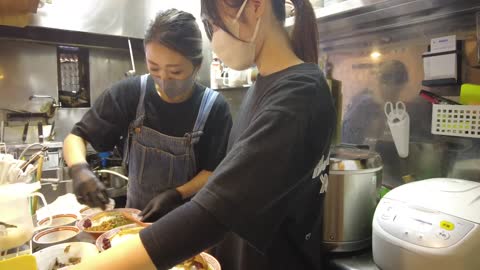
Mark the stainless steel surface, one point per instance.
(348, 159)
(116, 185)
(374, 16)
(351, 199)
(355, 261)
(107, 17)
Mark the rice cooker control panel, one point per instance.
(421, 226)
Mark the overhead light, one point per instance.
(375, 55)
(1, 76)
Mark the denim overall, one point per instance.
(157, 162)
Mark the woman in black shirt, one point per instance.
(176, 130)
(264, 198)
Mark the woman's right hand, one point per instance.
(87, 187)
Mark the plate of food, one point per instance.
(202, 261)
(99, 223)
(64, 255)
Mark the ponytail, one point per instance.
(304, 35)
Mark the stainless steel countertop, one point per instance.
(353, 261)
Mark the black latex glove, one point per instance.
(86, 186)
(161, 204)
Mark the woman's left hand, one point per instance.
(161, 204)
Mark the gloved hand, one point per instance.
(161, 204)
(87, 187)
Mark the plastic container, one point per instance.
(17, 224)
(456, 120)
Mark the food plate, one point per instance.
(123, 233)
(55, 235)
(61, 254)
(100, 223)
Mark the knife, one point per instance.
(25, 131)
(40, 132)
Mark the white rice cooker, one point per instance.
(429, 224)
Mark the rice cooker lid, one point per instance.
(352, 158)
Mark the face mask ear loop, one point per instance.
(239, 13)
(257, 27)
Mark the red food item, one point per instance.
(87, 223)
(106, 244)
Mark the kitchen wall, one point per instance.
(396, 75)
(28, 68)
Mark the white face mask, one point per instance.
(236, 54)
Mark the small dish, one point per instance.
(59, 220)
(115, 236)
(55, 235)
(64, 253)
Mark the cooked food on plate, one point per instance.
(107, 222)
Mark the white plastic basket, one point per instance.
(456, 120)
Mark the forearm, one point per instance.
(181, 234)
(194, 185)
(74, 150)
(120, 258)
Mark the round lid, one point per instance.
(351, 158)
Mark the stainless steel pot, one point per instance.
(116, 185)
(351, 198)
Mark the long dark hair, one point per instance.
(178, 31)
(304, 36)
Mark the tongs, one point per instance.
(34, 158)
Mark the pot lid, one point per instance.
(352, 158)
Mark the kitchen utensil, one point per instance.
(63, 252)
(350, 201)
(55, 235)
(2, 131)
(34, 158)
(51, 136)
(25, 132)
(395, 114)
(401, 135)
(428, 224)
(436, 99)
(40, 132)
(14, 210)
(131, 72)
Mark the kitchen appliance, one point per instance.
(429, 224)
(354, 180)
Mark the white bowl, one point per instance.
(46, 257)
(55, 235)
(59, 220)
